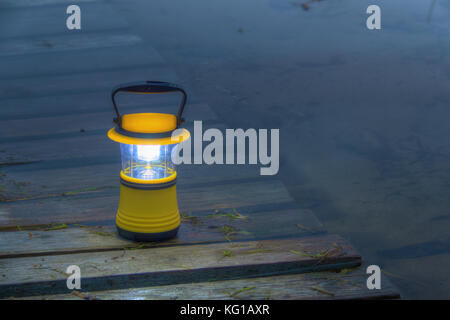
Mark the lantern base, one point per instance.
(147, 237)
(147, 214)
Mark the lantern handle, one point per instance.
(148, 87)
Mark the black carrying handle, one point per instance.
(148, 87)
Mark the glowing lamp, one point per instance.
(148, 209)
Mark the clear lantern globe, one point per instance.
(147, 162)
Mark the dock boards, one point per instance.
(218, 254)
(323, 267)
(193, 264)
(242, 235)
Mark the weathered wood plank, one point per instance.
(92, 175)
(233, 195)
(48, 183)
(101, 204)
(86, 102)
(49, 20)
(347, 284)
(175, 264)
(79, 83)
(64, 43)
(78, 61)
(196, 227)
(96, 102)
(55, 125)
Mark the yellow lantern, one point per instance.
(148, 209)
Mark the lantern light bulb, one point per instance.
(148, 152)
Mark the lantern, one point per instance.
(148, 209)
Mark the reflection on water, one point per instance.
(363, 115)
(418, 250)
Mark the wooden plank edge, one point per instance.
(141, 280)
(309, 286)
(142, 245)
(252, 266)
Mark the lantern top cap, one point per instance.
(149, 122)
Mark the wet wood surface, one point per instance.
(176, 264)
(336, 285)
(197, 227)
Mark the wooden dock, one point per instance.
(242, 235)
